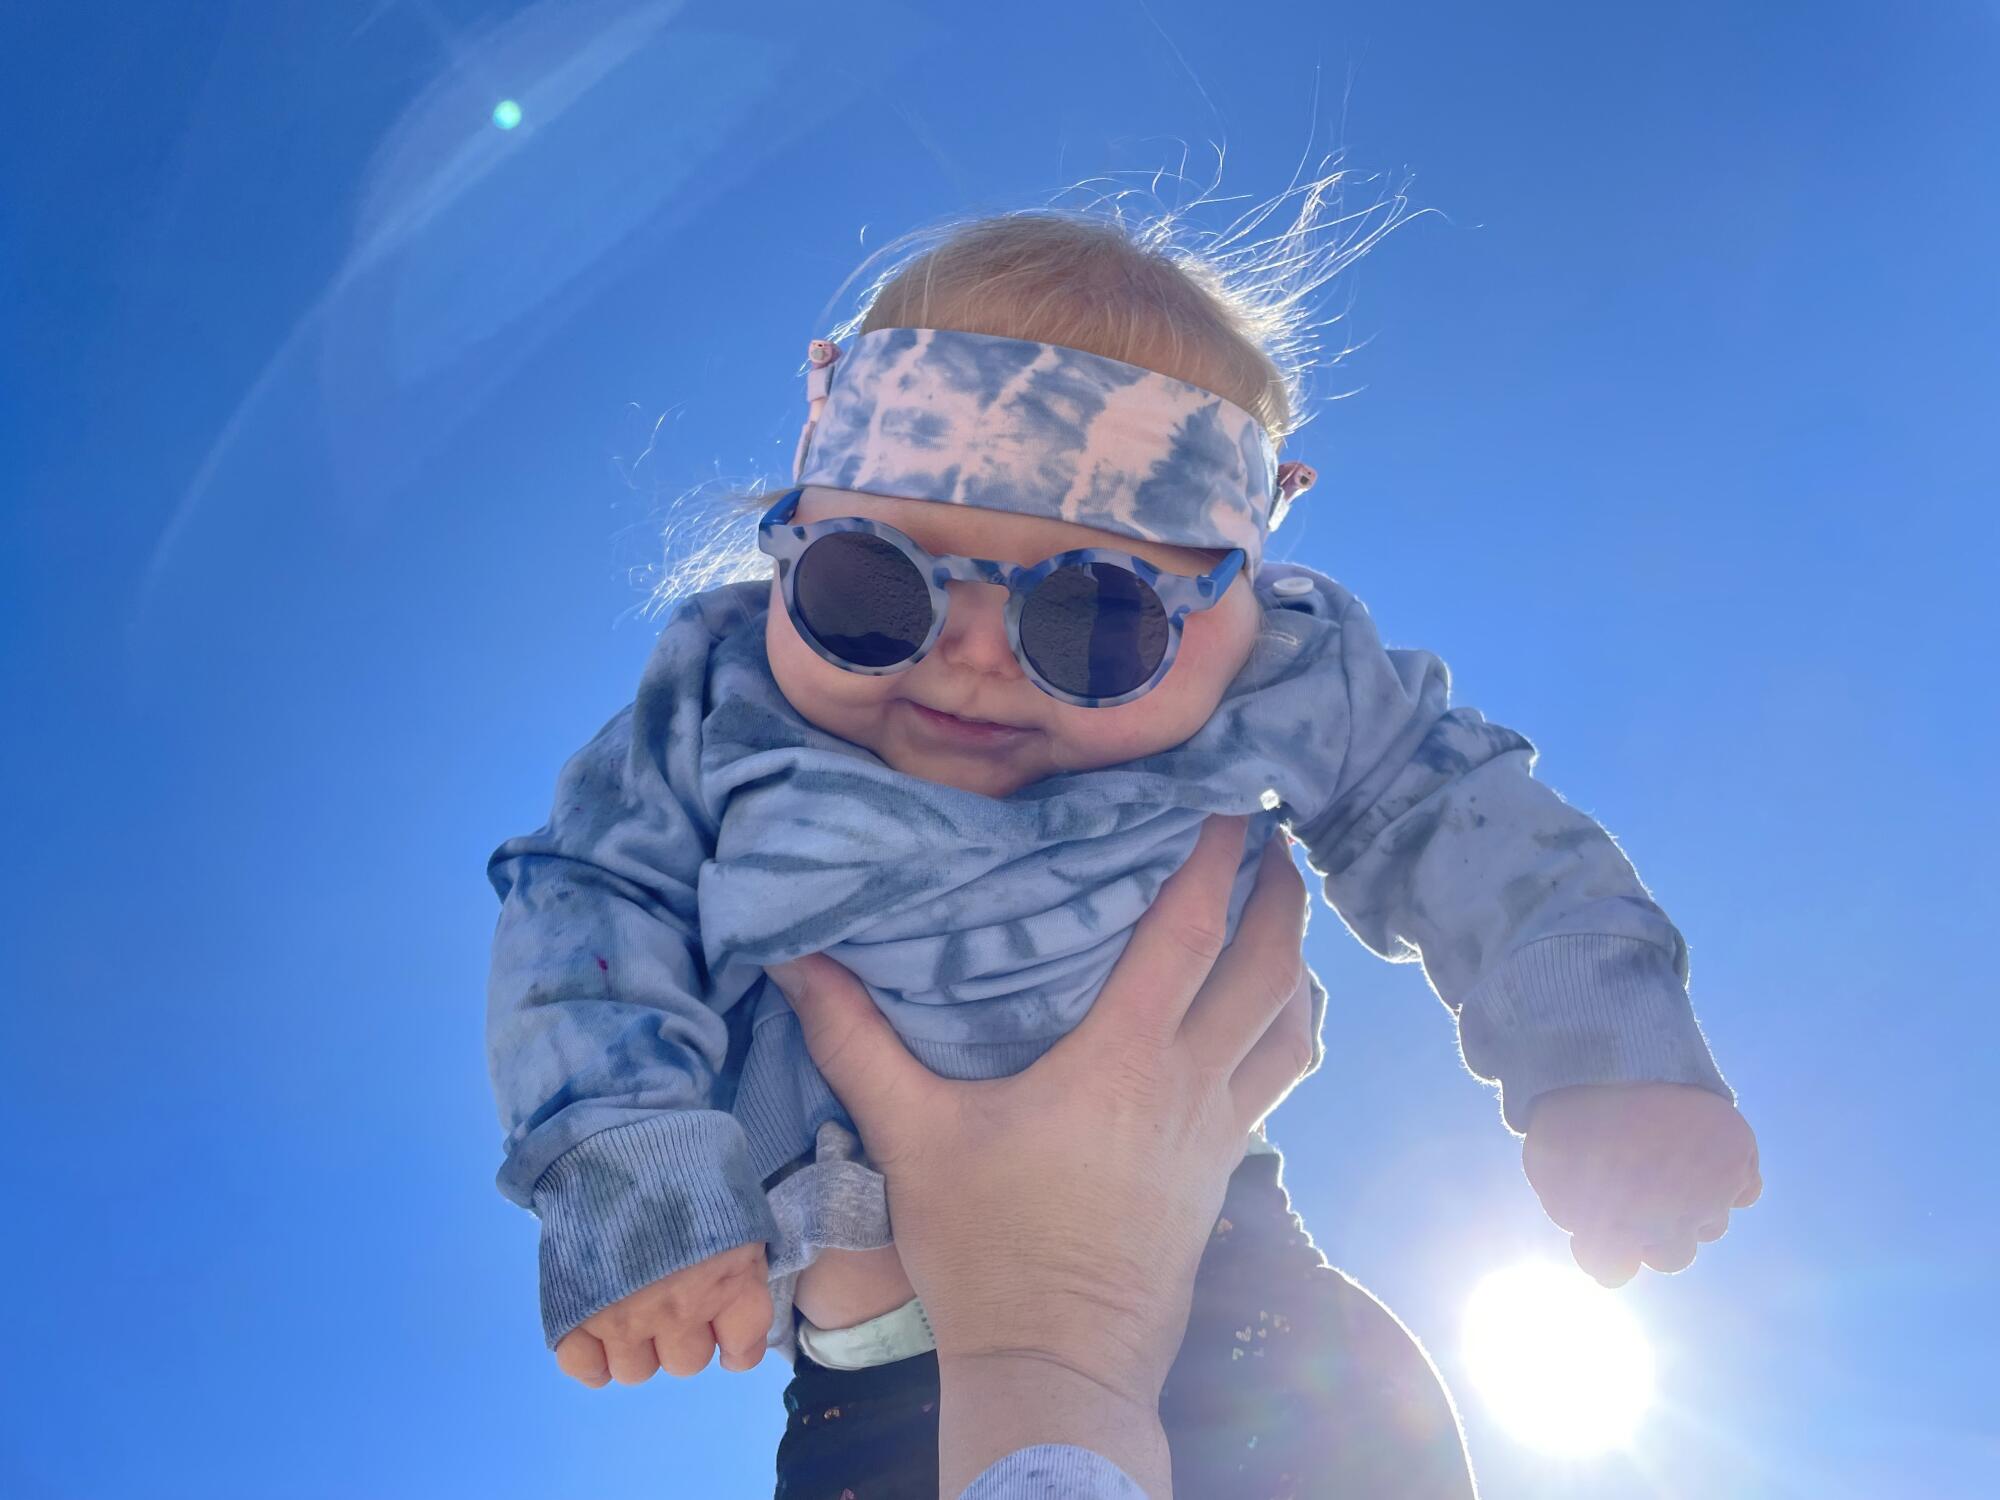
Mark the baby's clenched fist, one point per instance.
(675, 1323)
(1640, 1172)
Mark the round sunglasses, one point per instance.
(1090, 627)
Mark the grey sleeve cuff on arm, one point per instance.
(626, 1206)
(1581, 1008)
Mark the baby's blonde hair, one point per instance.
(1228, 318)
(1087, 283)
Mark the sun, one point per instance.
(1561, 1361)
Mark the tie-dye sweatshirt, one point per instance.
(652, 1082)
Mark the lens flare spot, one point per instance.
(506, 114)
(1560, 1360)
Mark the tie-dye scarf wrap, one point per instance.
(652, 1081)
(1045, 430)
(983, 928)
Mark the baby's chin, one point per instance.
(998, 771)
(892, 732)
(985, 781)
(1080, 740)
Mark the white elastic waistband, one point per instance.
(900, 1333)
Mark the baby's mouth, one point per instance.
(965, 719)
(939, 715)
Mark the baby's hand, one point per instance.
(1639, 1172)
(676, 1323)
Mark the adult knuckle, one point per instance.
(1199, 939)
(1211, 1080)
(1294, 1028)
(804, 981)
(1298, 1054)
(1131, 1075)
(833, 1044)
(1287, 983)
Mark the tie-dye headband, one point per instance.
(1008, 424)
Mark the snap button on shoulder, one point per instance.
(1293, 585)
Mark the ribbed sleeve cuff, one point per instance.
(1583, 1008)
(626, 1206)
(1054, 1471)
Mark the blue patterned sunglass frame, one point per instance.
(1179, 594)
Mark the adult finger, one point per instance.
(1714, 1229)
(859, 1054)
(580, 1355)
(1259, 972)
(1607, 1260)
(633, 1360)
(742, 1326)
(1173, 946)
(1277, 1061)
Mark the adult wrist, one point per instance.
(994, 1403)
(1126, 1351)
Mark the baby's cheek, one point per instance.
(841, 703)
(1109, 736)
(779, 642)
(1160, 720)
(794, 666)
(1213, 650)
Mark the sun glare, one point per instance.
(1559, 1359)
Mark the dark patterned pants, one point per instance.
(1292, 1383)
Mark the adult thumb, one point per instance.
(859, 1054)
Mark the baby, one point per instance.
(1020, 642)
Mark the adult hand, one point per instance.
(1052, 1222)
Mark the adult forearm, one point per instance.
(992, 1405)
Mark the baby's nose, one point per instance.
(975, 627)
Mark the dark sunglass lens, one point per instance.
(1096, 630)
(862, 598)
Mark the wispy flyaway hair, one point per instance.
(1221, 309)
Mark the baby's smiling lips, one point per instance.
(964, 718)
(959, 718)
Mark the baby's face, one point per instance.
(971, 671)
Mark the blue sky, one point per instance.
(323, 538)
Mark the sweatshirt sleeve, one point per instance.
(1532, 926)
(603, 1054)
